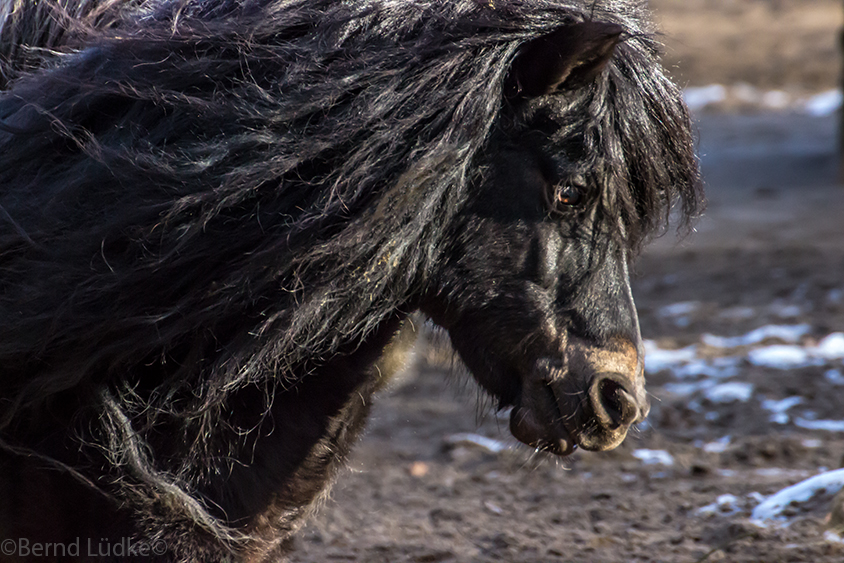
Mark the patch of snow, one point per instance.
(699, 97)
(747, 93)
(724, 504)
(779, 408)
(718, 446)
(756, 496)
(781, 357)
(832, 537)
(730, 392)
(654, 457)
(823, 104)
(781, 405)
(489, 444)
(786, 333)
(819, 105)
(717, 368)
(779, 418)
(834, 376)
(812, 443)
(687, 389)
(828, 425)
(776, 99)
(657, 359)
(679, 309)
(770, 510)
(831, 347)
(493, 508)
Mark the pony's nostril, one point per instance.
(608, 394)
(614, 406)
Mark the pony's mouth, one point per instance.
(537, 421)
(557, 412)
(547, 436)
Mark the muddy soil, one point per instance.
(769, 251)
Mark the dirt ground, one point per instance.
(769, 251)
(790, 44)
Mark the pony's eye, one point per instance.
(568, 195)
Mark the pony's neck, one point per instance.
(307, 437)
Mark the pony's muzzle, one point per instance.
(615, 405)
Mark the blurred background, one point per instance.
(787, 46)
(741, 457)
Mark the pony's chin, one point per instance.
(526, 426)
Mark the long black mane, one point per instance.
(237, 191)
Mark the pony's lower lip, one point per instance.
(528, 429)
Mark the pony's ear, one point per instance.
(566, 58)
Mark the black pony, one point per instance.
(217, 215)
